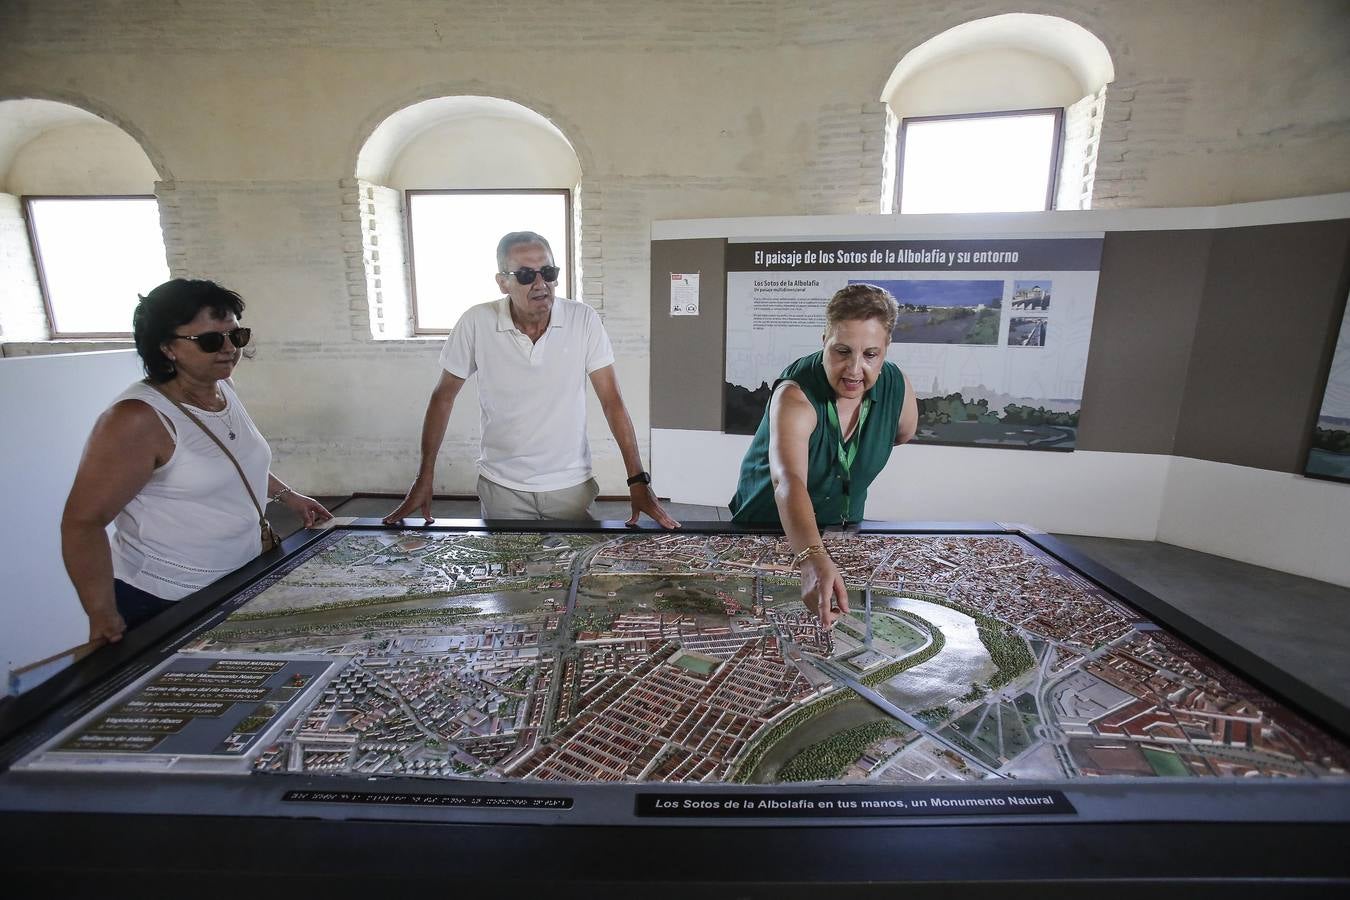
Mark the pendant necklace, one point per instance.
(225, 417)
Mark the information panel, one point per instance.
(993, 333)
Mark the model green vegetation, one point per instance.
(528, 542)
(886, 626)
(994, 733)
(893, 630)
(976, 692)
(251, 724)
(1166, 763)
(400, 618)
(594, 619)
(518, 680)
(890, 670)
(934, 715)
(703, 595)
(831, 758)
(696, 663)
(688, 600)
(754, 752)
(1006, 648)
(782, 581)
(748, 762)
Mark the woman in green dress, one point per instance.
(831, 423)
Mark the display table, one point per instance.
(597, 706)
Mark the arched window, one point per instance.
(440, 182)
(79, 223)
(999, 114)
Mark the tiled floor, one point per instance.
(1300, 625)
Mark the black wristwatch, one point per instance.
(640, 478)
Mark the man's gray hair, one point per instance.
(515, 239)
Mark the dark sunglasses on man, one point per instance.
(525, 275)
(212, 341)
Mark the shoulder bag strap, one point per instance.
(262, 519)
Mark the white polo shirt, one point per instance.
(532, 395)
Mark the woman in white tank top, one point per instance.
(181, 516)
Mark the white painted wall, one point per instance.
(994, 79)
(92, 158)
(48, 405)
(1273, 519)
(1048, 36)
(486, 152)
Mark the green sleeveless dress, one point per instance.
(835, 497)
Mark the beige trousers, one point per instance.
(574, 503)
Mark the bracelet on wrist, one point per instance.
(279, 494)
(809, 551)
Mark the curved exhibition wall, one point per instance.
(1212, 336)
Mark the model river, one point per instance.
(963, 660)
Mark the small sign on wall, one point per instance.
(684, 294)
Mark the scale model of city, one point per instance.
(684, 658)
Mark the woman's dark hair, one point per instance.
(169, 306)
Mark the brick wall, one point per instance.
(678, 109)
(22, 316)
(379, 254)
(1080, 151)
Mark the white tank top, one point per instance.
(192, 523)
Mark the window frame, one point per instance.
(409, 193)
(1056, 153)
(35, 248)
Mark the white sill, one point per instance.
(64, 345)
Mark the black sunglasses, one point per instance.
(212, 341)
(525, 275)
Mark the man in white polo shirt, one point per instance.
(533, 352)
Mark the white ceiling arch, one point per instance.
(393, 135)
(1071, 45)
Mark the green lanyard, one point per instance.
(846, 457)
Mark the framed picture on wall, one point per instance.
(1329, 452)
